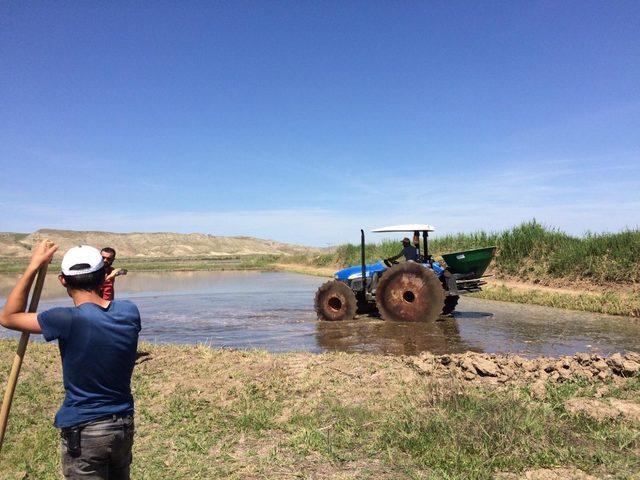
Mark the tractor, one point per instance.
(411, 291)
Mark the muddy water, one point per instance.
(274, 311)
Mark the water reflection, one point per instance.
(144, 284)
(397, 338)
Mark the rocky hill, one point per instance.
(149, 245)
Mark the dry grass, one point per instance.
(207, 413)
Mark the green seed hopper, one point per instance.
(470, 263)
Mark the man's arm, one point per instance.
(396, 257)
(115, 273)
(13, 314)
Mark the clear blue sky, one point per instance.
(304, 121)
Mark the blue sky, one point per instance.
(304, 121)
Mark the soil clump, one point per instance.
(493, 369)
(547, 474)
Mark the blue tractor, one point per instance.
(419, 289)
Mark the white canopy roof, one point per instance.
(410, 227)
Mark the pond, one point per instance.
(274, 311)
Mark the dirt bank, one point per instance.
(151, 245)
(306, 269)
(607, 301)
(574, 287)
(490, 370)
(210, 413)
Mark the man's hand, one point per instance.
(115, 273)
(42, 254)
(416, 239)
(13, 314)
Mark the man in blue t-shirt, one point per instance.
(98, 340)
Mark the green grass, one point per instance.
(532, 251)
(206, 413)
(261, 262)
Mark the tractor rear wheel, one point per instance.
(409, 292)
(335, 301)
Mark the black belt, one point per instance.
(112, 416)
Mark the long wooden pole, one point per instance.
(17, 360)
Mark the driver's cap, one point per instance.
(81, 259)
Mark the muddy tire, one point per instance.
(409, 292)
(450, 304)
(335, 301)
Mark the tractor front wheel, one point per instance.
(335, 301)
(409, 292)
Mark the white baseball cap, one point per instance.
(84, 258)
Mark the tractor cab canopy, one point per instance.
(410, 227)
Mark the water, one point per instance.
(274, 311)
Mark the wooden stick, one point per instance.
(17, 360)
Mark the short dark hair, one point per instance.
(90, 282)
(109, 250)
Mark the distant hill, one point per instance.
(149, 245)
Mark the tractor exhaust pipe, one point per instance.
(364, 265)
(425, 238)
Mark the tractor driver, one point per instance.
(410, 252)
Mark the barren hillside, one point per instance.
(152, 245)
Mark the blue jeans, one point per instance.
(102, 451)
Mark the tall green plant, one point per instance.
(532, 251)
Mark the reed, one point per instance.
(531, 252)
